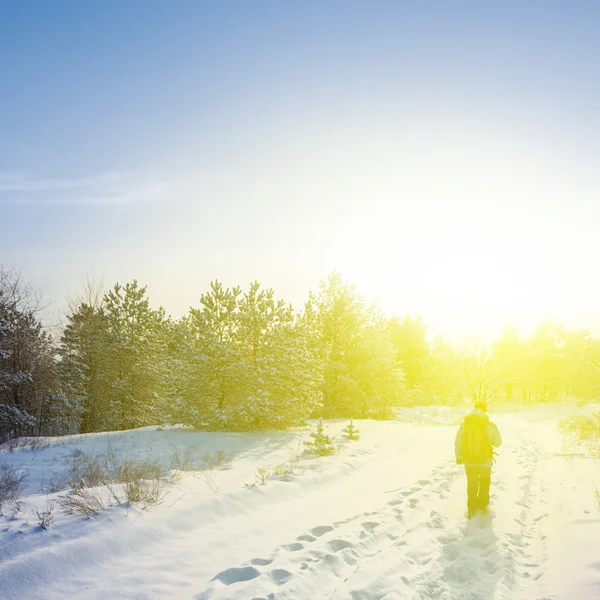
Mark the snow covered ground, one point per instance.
(383, 519)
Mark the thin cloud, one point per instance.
(106, 189)
(14, 182)
(92, 200)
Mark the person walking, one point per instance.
(475, 440)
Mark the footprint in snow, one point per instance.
(337, 545)
(261, 562)
(490, 567)
(306, 538)
(370, 525)
(294, 547)
(236, 574)
(280, 576)
(321, 530)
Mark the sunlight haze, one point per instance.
(410, 150)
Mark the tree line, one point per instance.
(246, 360)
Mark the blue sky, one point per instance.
(441, 155)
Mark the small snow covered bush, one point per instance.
(85, 470)
(218, 460)
(84, 500)
(261, 475)
(11, 483)
(321, 443)
(45, 516)
(138, 470)
(93, 477)
(283, 470)
(350, 432)
(144, 491)
(583, 431)
(183, 459)
(36, 443)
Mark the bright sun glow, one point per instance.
(454, 224)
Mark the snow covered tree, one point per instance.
(137, 348)
(249, 361)
(321, 443)
(350, 431)
(361, 376)
(444, 382)
(85, 370)
(217, 378)
(284, 373)
(27, 362)
(409, 338)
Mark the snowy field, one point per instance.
(382, 519)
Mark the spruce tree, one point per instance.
(137, 343)
(321, 443)
(350, 432)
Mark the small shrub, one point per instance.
(207, 476)
(185, 459)
(110, 459)
(584, 427)
(45, 517)
(138, 470)
(597, 496)
(321, 443)
(218, 460)
(261, 475)
(11, 483)
(141, 481)
(144, 491)
(350, 432)
(283, 470)
(84, 500)
(36, 443)
(295, 455)
(85, 470)
(582, 432)
(56, 484)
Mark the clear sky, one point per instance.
(443, 156)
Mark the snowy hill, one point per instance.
(384, 518)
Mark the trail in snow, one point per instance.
(383, 520)
(418, 545)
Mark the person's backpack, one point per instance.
(476, 445)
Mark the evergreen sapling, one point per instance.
(350, 432)
(321, 443)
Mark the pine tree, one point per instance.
(137, 343)
(350, 431)
(284, 376)
(321, 443)
(85, 368)
(217, 374)
(27, 356)
(361, 376)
